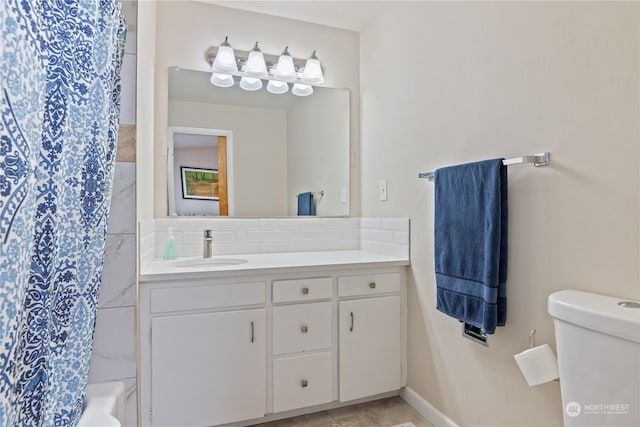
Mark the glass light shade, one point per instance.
(222, 80)
(277, 87)
(250, 83)
(225, 61)
(301, 90)
(255, 66)
(313, 71)
(285, 70)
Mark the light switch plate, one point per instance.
(383, 190)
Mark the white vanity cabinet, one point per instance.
(205, 359)
(370, 331)
(302, 343)
(260, 346)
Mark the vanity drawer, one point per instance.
(302, 289)
(302, 327)
(207, 297)
(301, 381)
(368, 284)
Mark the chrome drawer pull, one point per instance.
(372, 285)
(304, 383)
(305, 291)
(351, 327)
(304, 329)
(252, 332)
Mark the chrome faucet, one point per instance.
(208, 244)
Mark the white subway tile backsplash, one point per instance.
(350, 234)
(346, 245)
(312, 245)
(267, 224)
(370, 223)
(401, 237)
(271, 246)
(233, 224)
(381, 235)
(187, 250)
(192, 237)
(370, 245)
(318, 235)
(264, 235)
(236, 248)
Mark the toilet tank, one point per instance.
(598, 346)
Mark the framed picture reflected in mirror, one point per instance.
(199, 184)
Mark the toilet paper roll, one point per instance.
(538, 365)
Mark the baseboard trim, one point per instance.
(426, 409)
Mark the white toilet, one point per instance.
(598, 345)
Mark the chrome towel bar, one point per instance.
(541, 159)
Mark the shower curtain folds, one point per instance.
(59, 111)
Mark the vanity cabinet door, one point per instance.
(370, 346)
(209, 368)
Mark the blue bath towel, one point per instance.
(471, 242)
(306, 206)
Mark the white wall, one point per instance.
(184, 31)
(488, 79)
(309, 153)
(259, 147)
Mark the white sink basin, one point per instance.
(209, 262)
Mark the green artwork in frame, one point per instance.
(200, 184)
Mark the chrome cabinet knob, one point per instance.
(372, 285)
(304, 329)
(304, 383)
(305, 291)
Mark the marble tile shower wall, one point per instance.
(264, 235)
(114, 344)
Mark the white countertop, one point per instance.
(158, 269)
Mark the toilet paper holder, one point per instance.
(532, 338)
(532, 344)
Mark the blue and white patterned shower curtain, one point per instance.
(60, 66)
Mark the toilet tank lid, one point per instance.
(600, 313)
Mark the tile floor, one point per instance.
(385, 413)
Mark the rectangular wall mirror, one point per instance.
(238, 153)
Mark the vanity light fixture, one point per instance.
(222, 80)
(277, 87)
(250, 83)
(300, 89)
(313, 71)
(285, 70)
(252, 67)
(255, 66)
(225, 61)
